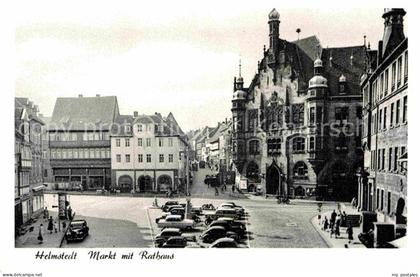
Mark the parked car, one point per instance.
(176, 221)
(229, 226)
(78, 230)
(231, 205)
(223, 212)
(175, 242)
(208, 207)
(176, 207)
(224, 243)
(216, 232)
(197, 210)
(169, 204)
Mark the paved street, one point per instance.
(128, 221)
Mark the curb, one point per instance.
(320, 232)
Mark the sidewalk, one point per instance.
(30, 239)
(342, 240)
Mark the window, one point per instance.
(390, 159)
(103, 154)
(319, 112)
(171, 158)
(140, 141)
(391, 119)
(97, 154)
(359, 112)
(396, 159)
(384, 127)
(381, 85)
(299, 144)
(383, 159)
(380, 119)
(254, 147)
(386, 82)
(312, 143)
(393, 76)
(118, 142)
(139, 128)
(45, 173)
(377, 198)
(273, 145)
(399, 71)
(127, 158)
(160, 142)
(170, 142)
(161, 158)
(342, 115)
(140, 158)
(118, 158)
(404, 120)
(86, 153)
(127, 142)
(397, 113)
(388, 205)
(382, 200)
(406, 67)
(148, 142)
(149, 158)
(311, 115)
(300, 170)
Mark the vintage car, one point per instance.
(222, 212)
(175, 242)
(229, 226)
(197, 210)
(77, 230)
(176, 221)
(165, 234)
(231, 205)
(169, 204)
(224, 243)
(217, 232)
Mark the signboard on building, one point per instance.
(243, 184)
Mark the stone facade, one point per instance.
(296, 126)
(383, 181)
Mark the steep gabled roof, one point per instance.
(118, 129)
(341, 63)
(84, 113)
(309, 46)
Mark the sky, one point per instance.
(164, 58)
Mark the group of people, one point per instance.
(52, 225)
(335, 222)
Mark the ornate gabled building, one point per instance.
(296, 127)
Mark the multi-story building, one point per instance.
(149, 153)
(296, 127)
(79, 140)
(45, 147)
(383, 182)
(29, 195)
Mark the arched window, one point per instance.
(299, 144)
(300, 170)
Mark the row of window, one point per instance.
(80, 153)
(380, 195)
(380, 87)
(85, 136)
(161, 142)
(381, 120)
(140, 158)
(387, 159)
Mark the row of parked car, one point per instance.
(222, 225)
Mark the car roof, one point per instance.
(176, 237)
(226, 219)
(173, 216)
(224, 240)
(78, 221)
(171, 202)
(216, 227)
(219, 221)
(226, 209)
(171, 230)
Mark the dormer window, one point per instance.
(342, 89)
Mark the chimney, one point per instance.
(98, 95)
(136, 113)
(80, 95)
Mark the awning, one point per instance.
(38, 188)
(399, 243)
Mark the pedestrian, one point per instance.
(344, 219)
(55, 227)
(333, 217)
(325, 223)
(331, 231)
(50, 225)
(40, 237)
(337, 229)
(70, 213)
(224, 186)
(349, 231)
(319, 219)
(233, 188)
(216, 191)
(45, 213)
(331, 224)
(64, 225)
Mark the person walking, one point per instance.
(337, 229)
(325, 223)
(349, 231)
(40, 234)
(216, 191)
(55, 227)
(50, 225)
(344, 219)
(233, 188)
(331, 231)
(333, 216)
